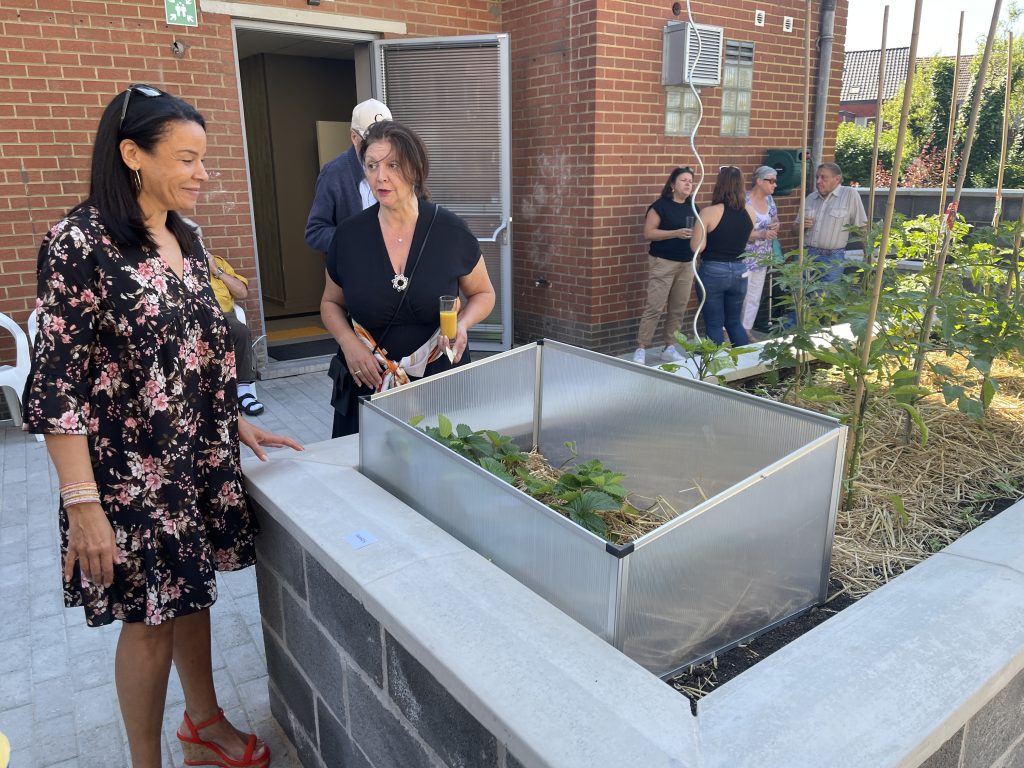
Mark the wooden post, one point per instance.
(948, 158)
(940, 261)
(868, 250)
(859, 397)
(1006, 129)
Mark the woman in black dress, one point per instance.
(386, 269)
(132, 383)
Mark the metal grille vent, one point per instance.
(708, 67)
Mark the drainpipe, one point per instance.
(828, 23)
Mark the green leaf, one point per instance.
(988, 391)
(820, 395)
(906, 393)
(951, 392)
(899, 508)
(444, 426)
(971, 407)
(496, 468)
(915, 415)
(415, 420)
(463, 431)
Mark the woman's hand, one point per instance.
(254, 437)
(91, 542)
(362, 365)
(458, 344)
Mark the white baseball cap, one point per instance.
(367, 113)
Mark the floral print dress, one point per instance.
(140, 361)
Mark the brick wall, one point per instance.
(61, 65)
(590, 152)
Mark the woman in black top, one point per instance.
(375, 260)
(728, 222)
(669, 225)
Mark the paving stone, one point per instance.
(244, 663)
(16, 723)
(50, 700)
(16, 651)
(16, 687)
(101, 747)
(55, 740)
(50, 661)
(96, 708)
(93, 669)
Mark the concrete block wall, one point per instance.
(590, 153)
(345, 690)
(993, 738)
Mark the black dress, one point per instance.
(358, 262)
(139, 361)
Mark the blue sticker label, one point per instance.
(360, 539)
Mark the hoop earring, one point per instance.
(138, 180)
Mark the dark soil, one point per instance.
(703, 678)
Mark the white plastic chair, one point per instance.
(13, 377)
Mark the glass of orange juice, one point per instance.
(449, 317)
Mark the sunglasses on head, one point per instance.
(140, 88)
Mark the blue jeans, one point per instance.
(725, 288)
(831, 261)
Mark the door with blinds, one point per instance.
(454, 92)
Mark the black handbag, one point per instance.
(343, 393)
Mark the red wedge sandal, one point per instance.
(199, 751)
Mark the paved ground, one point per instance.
(58, 705)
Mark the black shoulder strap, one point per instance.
(412, 272)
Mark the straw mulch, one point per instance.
(965, 472)
(637, 517)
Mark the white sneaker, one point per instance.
(640, 356)
(671, 355)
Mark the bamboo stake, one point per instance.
(868, 250)
(798, 304)
(947, 159)
(940, 261)
(856, 432)
(1006, 129)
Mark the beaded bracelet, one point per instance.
(80, 493)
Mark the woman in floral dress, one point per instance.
(131, 382)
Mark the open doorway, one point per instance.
(298, 89)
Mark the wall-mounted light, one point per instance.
(312, 2)
(677, 9)
(178, 49)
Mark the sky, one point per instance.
(940, 20)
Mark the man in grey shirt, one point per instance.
(828, 213)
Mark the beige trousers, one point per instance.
(669, 284)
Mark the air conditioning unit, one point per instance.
(681, 64)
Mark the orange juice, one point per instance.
(449, 324)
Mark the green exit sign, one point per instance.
(181, 12)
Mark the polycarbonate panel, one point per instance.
(734, 568)
(552, 556)
(496, 393)
(681, 439)
(754, 481)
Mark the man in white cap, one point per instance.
(341, 188)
